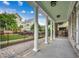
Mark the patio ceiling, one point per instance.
(62, 8)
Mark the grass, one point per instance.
(10, 39)
(14, 39)
(7, 37)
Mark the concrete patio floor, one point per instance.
(58, 48)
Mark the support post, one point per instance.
(51, 30)
(46, 30)
(77, 31)
(36, 30)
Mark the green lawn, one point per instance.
(15, 38)
(12, 37)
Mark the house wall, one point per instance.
(18, 20)
(74, 24)
(71, 29)
(27, 26)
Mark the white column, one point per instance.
(71, 27)
(36, 30)
(46, 30)
(77, 30)
(51, 30)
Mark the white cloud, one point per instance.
(23, 11)
(20, 3)
(23, 19)
(10, 11)
(1, 11)
(6, 3)
(41, 21)
(40, 14)
(31, 12)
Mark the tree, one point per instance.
(19, 28)
(11, 23)
(48, 22)
(32, 27)
(2, 22)
(8, 22)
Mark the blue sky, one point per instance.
(25, 10)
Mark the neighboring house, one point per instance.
(18, 20)
(27, 25)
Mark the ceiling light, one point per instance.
(58, 16)
(53, 3)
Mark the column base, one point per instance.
(36, 50)
(46, 42)
(77, 46)
(51, 39)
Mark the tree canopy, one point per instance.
(32, 27)
(8, 21)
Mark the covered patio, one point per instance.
(57, 12)
(53, 46)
